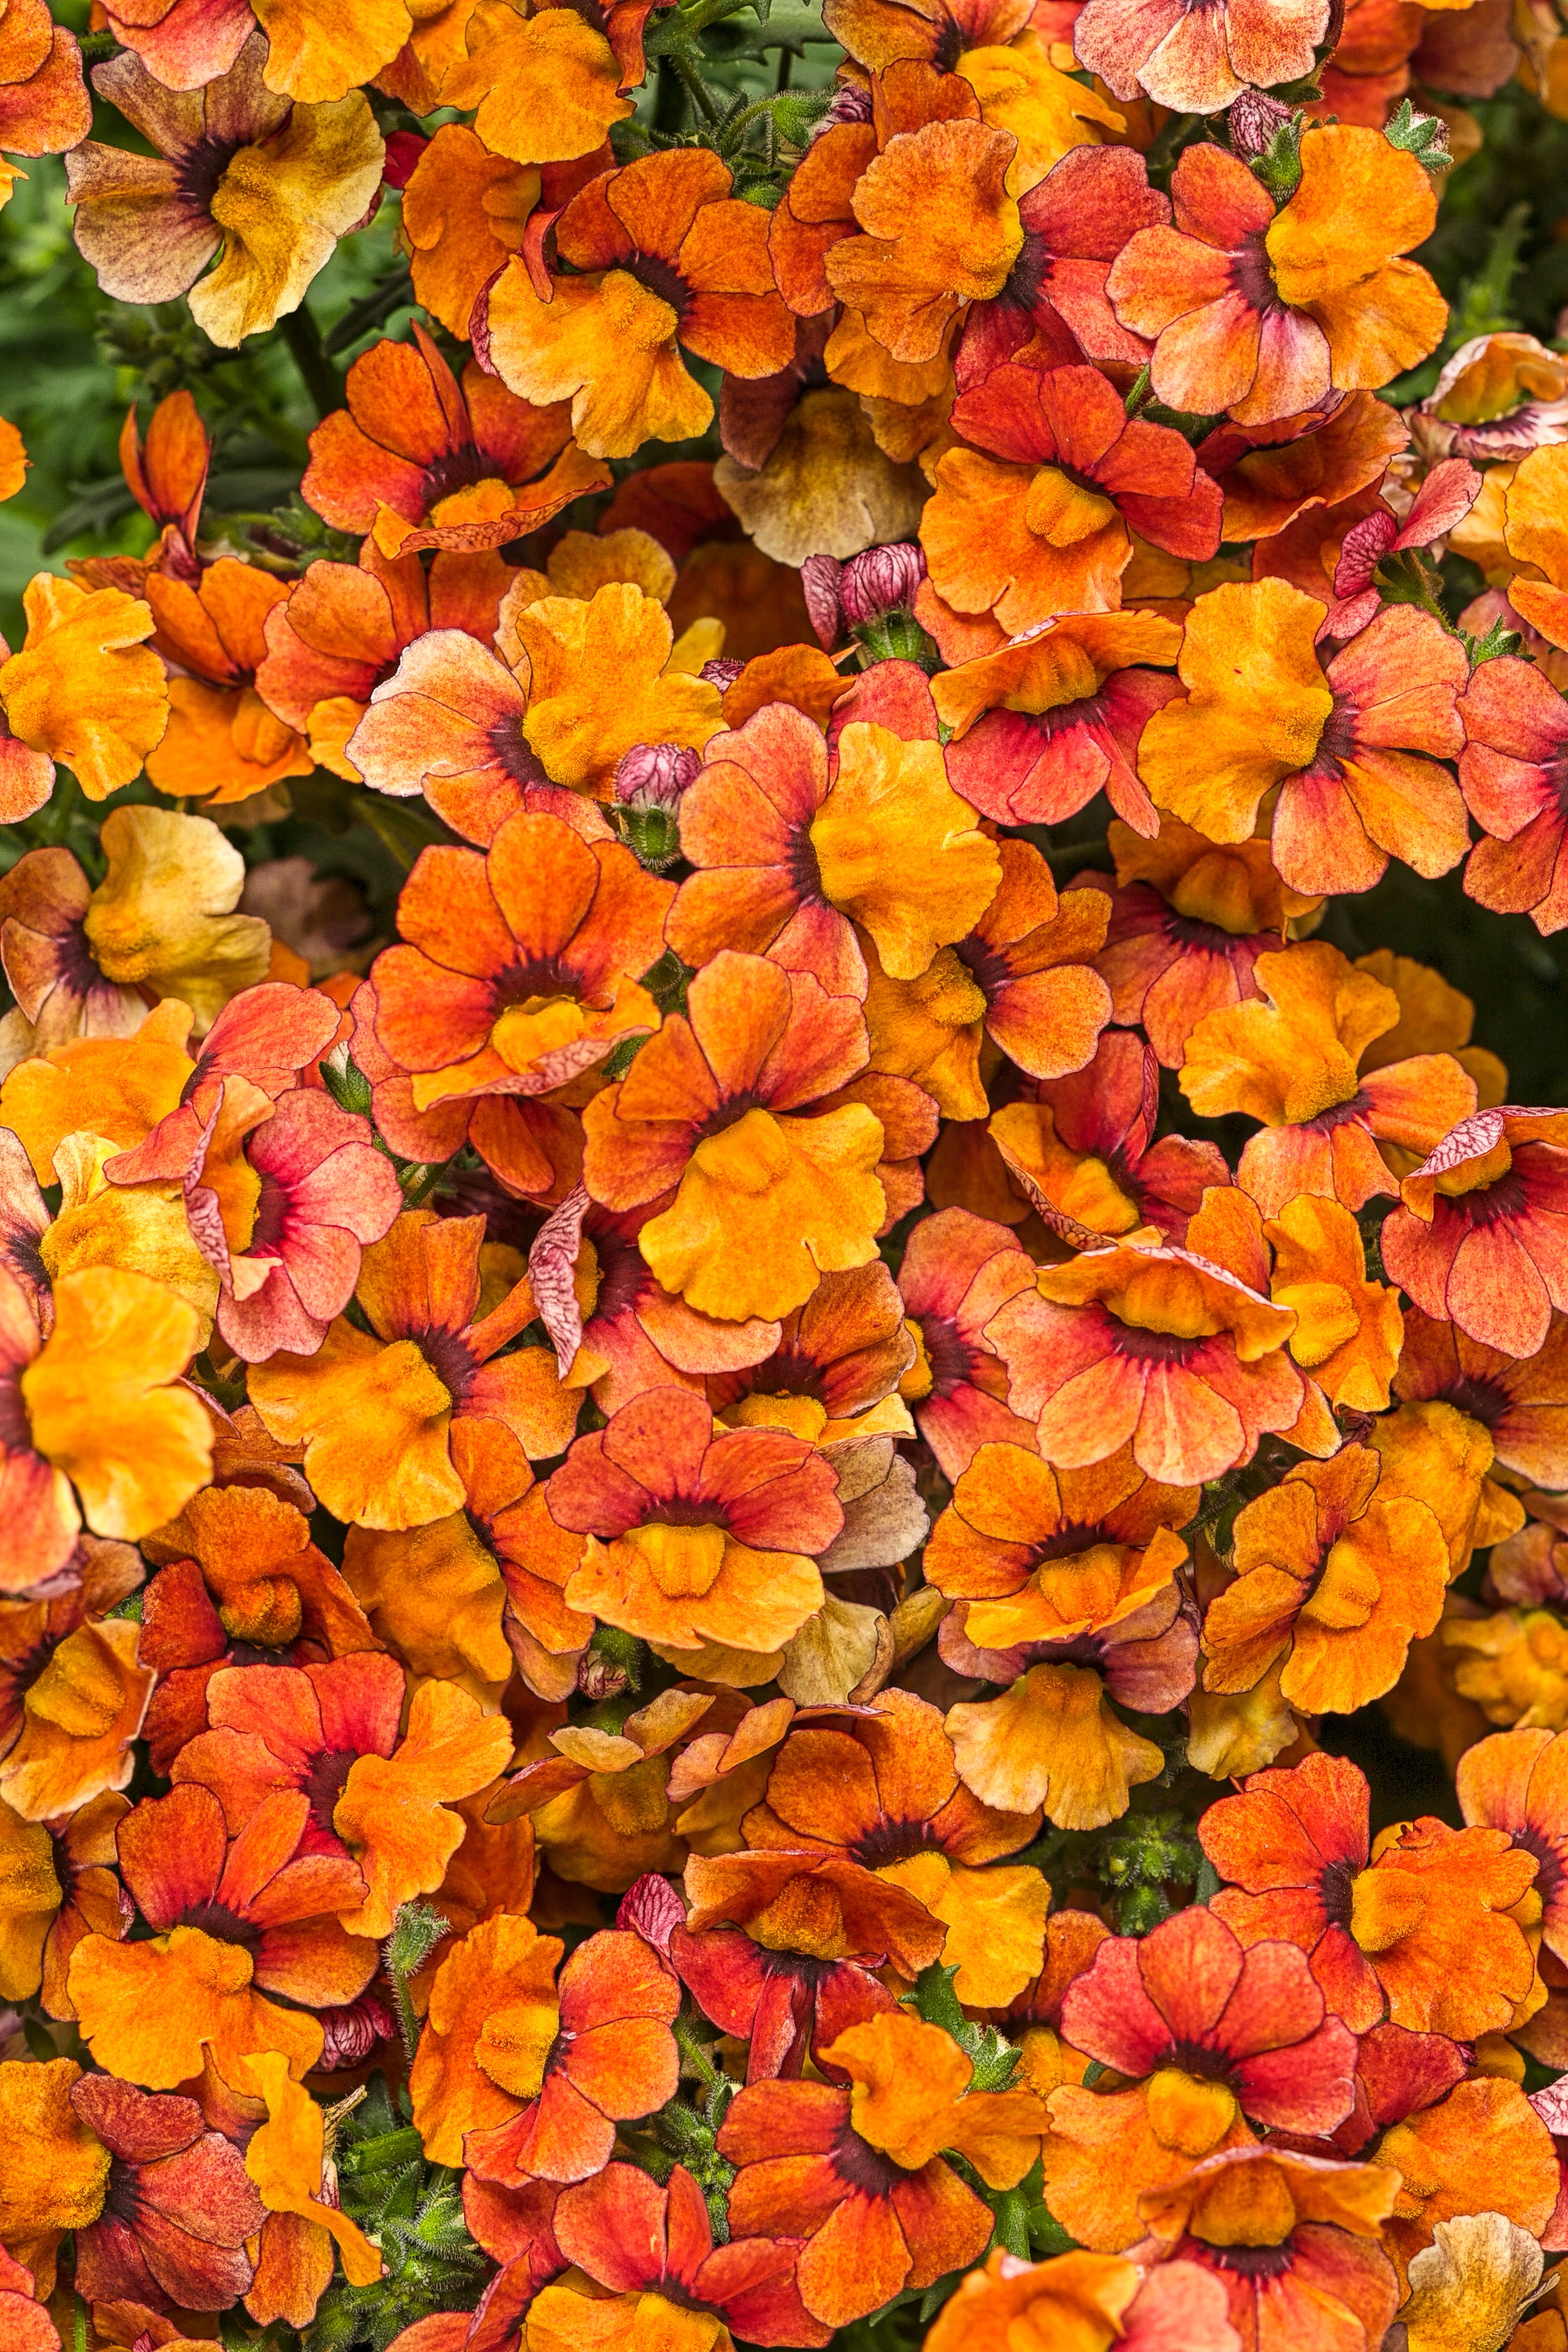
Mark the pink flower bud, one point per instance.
(850, 104)
(655, 776)
(819, 579)
(883, 580)
(721, 673)
(1254, 120)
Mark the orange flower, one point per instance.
(765, 1201)
(1349, 748)
(373, 1409)
(1154, 1346)
(1333, 1579)
(958, 1271)
(53, 2172)
(485, 738)
(84, 689)
(701, 1536)
(1291, 1056)
(1319, 287)
(519, 975)
(1034, 517)
(663, 256)
(1478, 1238)
(420, 461)
(287, 2160)
(59, 1886)
(856, 2171)
(1083, 2303)
(1481, 2149)
(522, 2076)
(1425, 1931)
(465, 211)
(1535, 536)
(340, 633)
(222, 741)
(1349, 1331)
(1306, 2231)
(394, 1814)
(549, 85)
(1052, 1739)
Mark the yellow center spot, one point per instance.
(1386, 1905)
(1248, 2205)
(1062, 511)
(540, 1026)
(1188, 2115)
(514, 2043)
(1473, 1175)
(684, 1562)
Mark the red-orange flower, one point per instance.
(957, 1273)
(1480, 1235)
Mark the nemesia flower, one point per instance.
(286, 2159)
(231, 1922)
(45, 106)
(517, 2074)
(485, 740)
(1475, 1238)
(72, 1700)
(1289, 1055)
(1039, 727)
(465, 465)
(548, 87)
(1349, 748)
(1080, 2297)
(1272, 474)
(235, 165)
(1261, 313)
(56, 2167)
(373, 1409)
(1484, 2140)
(1514, 1399)
(167, 477)
(1533, 534)
(1033, 516)
(858, 2172)
(926, 1834)
(83, 688)
(1309, 2229)
(599, 1802)
(222, 742)
(765, 1201)
(700, 1535)
(61, 992)
(178, 2206)
(663, 256)
(1516, 743)
(1082, 1153)
(829, 836)
(1499, 395)
(343, 626)
(1406, 1933)
(653, 2250)
(59, 1886)
(1198, 60)
(1208, 2034)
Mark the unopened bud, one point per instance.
(350, 2033)
(600, 1678)
(883, 580)
(721, 673)
(1255, 122)
(851, 103)
(655, 776)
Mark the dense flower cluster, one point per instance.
(707, 1526)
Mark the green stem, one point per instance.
(702, 2066)
(317, 373)
(403, 2003)
(79, 2324)
(1140, 392)
(695, 87)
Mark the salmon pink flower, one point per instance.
(1196, 59)
(1263, 313)
(1206, 2033)
(1290, 1055)
(419, 461)
(343, 626)
(1293, 2239)
(796, 847)
(1477, 1239)
(61, 989)
(231, 1922)
(1350, 749)
(1033, 512)
(1189, 920)
(958, 1271)
(663, 256)
(650, 2252)
(1446, 496)
(373, 1409)
(1513, 773)
(645, 1336)
(700, 1535)
(1152, 1346)
(524, 2076)
(765, 1199)
(857, 2171)
(44, 102)
(1424, 1932)
(1041, 726)
(178, 2206)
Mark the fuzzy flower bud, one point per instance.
(881, 581)
(655, 776)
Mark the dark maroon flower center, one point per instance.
(1490, 1204)
(457, 468)
(324, 1782)
(661, 278)
(1242, 2261)
(1485, 1401)
(1028, 273)
(951, 1359)
(1335, 1890)
(1250, 273)
(1337, 743)
(271, 1217)
(224, 1926)
(861, 2166)
(988, 971)
(1548, 1856)
(893, 1841)
(514, 753)
(203, 165)
(449, 1356)
(1141, 1347)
